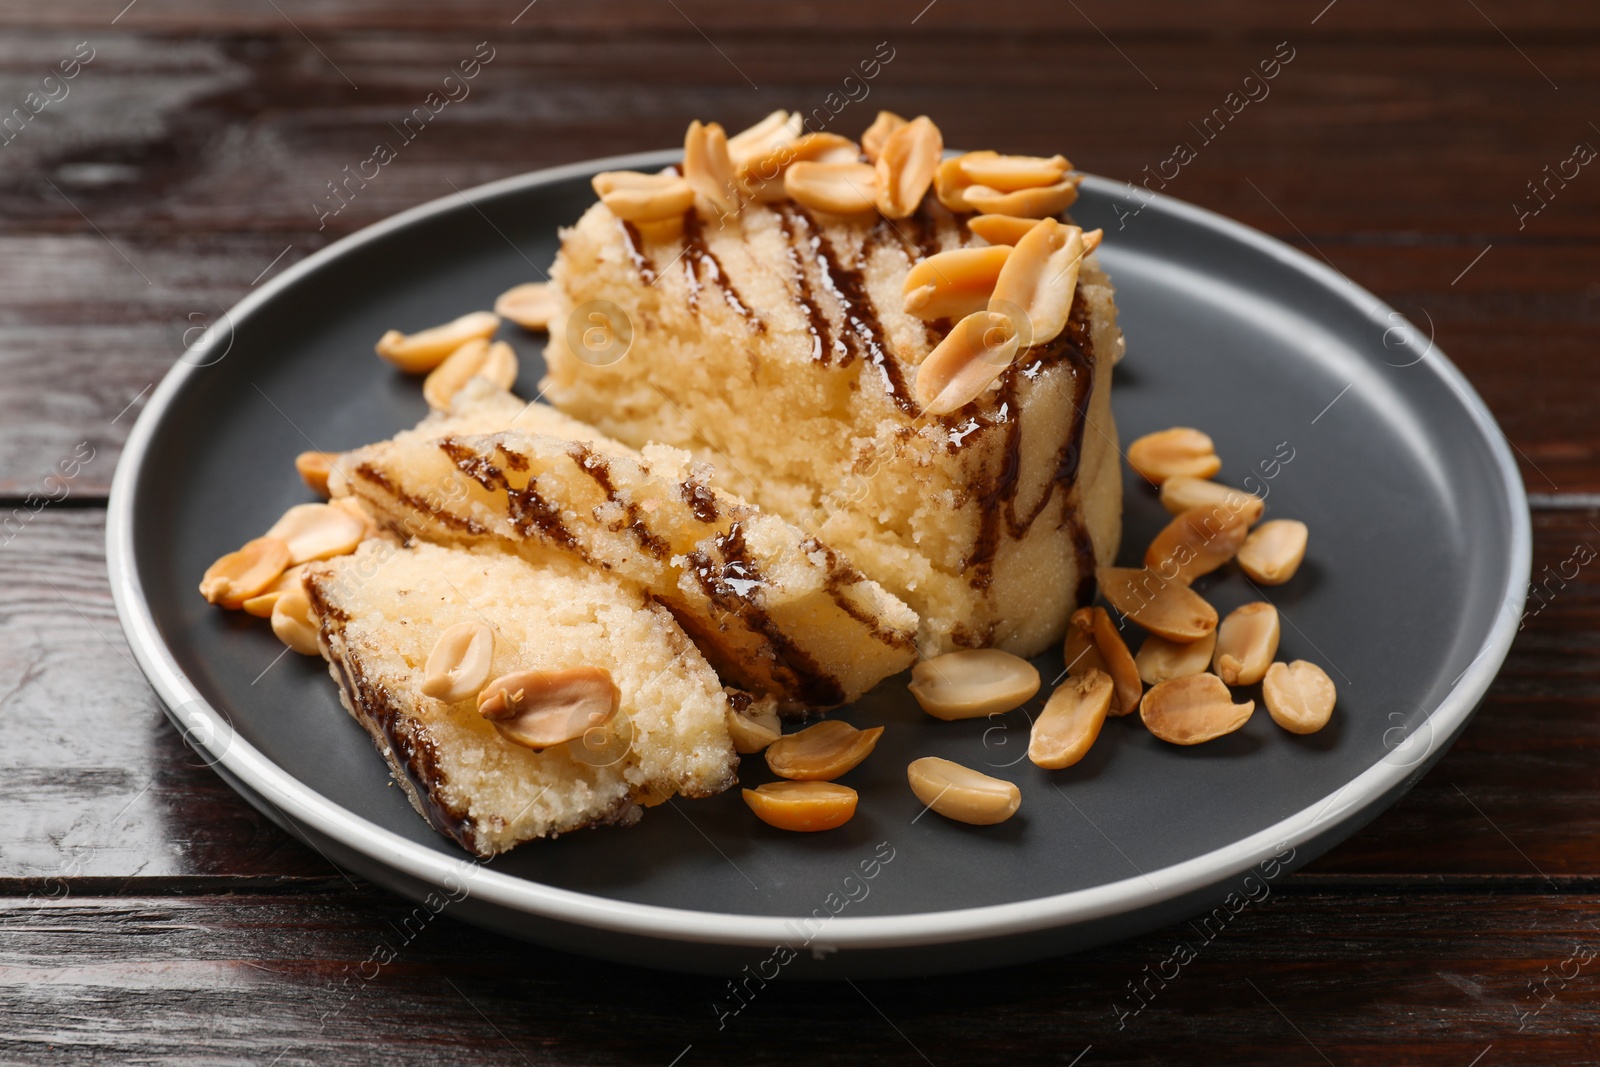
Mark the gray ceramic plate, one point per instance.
(1314, 389)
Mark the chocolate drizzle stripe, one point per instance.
(632, 243)
(417, 505)
(702, 267)
(598, 468)
(528, 511)
(841, 577)
(822, 340)
(864, 336)
(812, 684)
(998, 505)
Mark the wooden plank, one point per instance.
(103, 788)
(99, 784)
(1542, 19)
(1353, 137)
(1298, 977)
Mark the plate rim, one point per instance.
(309, 811)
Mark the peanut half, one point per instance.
(961, 793)
(1165, 607)
(1193, 709)
(262, 603)
(314, 468)
(1160, 660)
(1038, 203)
(420, 352)
(532, 305)
(976, 351)
(1246, 642)
(245, 573)
(955, 283)
(778, 128)
(1170, 453)
(707, 166)
(318, 531)
(458, 666)
(973, 683)
(755, 726)
(836, 188)
(1196, 543)
(761, 176)
(637, 197)
(822, 752)
(1182, 492)
(1274, 551)
(1079, 649)
(1299, 696)
(293, 622)
(538, 709)
(475, 359)
(905, 166)
(1127, 686)
(950, 185)
(1009, 174)
(872, 140)
(1000, 229)
(805, 807)
(1071, 720)
(1040, 277)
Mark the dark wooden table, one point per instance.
(148, 915)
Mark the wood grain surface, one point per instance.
(147, 915)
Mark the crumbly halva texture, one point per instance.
(774, 609)
(380, 612)
(773, 344)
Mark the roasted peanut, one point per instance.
(1180, 493)
(1000, 229)
(950, 185)
(776, 129)
(1246, 642)
(1008, 174)
(1071, 720)
(755, 726)
(420, 352)
(1037, 203)
(458, 666)
(977, 350)
(761, 176)
(538, 709)
(1079, 649)
(357, 509)
(955, 283)
(293, 623)
(1040, 277)
(961, 793)
(837, 188)
(1174, 452)
(707, 166)
(314, 468)
(317, 531)
(972, 683)
(531, 305)
(475, 359)
(1299, 696)
(1160, 660)
(1165, 607)
(822, 752)
(805, 807)
(905, 166)
(1192, 709)
(872, 141)
(1274, 551)
(261, 604)
(246, 573)
(643, 197)
(1127, 687)
(1196, 543)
